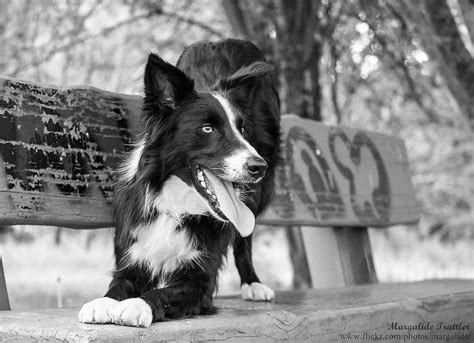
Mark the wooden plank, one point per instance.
(355, 254)
(61, 146)
(60, 150)
(4, 302)
(322, 251)
(340, 256)
(304, 316)
(334, 176)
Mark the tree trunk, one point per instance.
(432, 23)
(467, 11)
(285, 31)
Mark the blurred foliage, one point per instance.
(99, 43)
(359, 63)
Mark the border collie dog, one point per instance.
(199, 175)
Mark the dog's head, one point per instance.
(202, 137)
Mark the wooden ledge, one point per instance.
(312, 316)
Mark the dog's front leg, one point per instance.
(185, 298)
(251, 287)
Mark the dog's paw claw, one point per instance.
(132, 312)
(257, 291)
(97, 311)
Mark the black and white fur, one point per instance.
(217, 110)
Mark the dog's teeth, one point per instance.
(200, 177)
(208, 191)
(203, 184)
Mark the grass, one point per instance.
(39, 272)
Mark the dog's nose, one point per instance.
(256, 167)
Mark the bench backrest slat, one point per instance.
(60, 147)
(338, 176)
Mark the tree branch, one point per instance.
(334, 55)
(193, 22)
(467, 11)
(108, 30)
(431, 21)
(236, 17)
(399, 63)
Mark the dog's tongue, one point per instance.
(233, 208)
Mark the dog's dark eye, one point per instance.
(242, 130)
(207, 129)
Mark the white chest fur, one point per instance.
(161, 246)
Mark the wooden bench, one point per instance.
(59, 150)
(326, 315)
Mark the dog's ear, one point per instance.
(165, 87)
(246, 78)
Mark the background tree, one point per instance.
(433, 23)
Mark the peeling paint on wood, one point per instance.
(60, 149)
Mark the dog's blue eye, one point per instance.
(207, 129)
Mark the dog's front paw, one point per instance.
(256, 291)
(132, 312)
(97, 311)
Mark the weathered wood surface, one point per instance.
(60, 149)
(335, 176)
(309, 316)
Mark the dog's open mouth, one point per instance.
(223, 201)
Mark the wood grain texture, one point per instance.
(335, 176)
(60, 147)
(303, 316)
